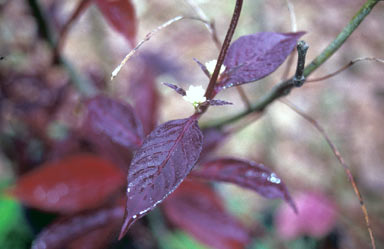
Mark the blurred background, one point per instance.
(39, 105)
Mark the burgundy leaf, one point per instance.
(247, 174)
(177, 89)
(255, 56)
(70, 185)
(166, 157)
(145, 95)
(77, 228)
(195, 208)
(122, 16)
(98, 238)
(219, 102)
(117, 121)
(212, 139)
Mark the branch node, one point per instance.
(299, 78)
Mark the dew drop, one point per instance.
(274, 179)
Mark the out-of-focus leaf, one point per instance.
(99, 238)
(70, 185)
(13, 229)
(113, 129)
(66, 230)
(166, 157)
(145, 97)
(121, 15)
(195, 208)
(219, 102)
(212, 139)
(117, 121)
(255, 56)
(247, 174)
(177, 89)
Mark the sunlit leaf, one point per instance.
(255, 56)
(121, 15)
(166, 157)
(247, 174)
(195, 208)
(69, 185)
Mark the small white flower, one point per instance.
(210, 65)
(195, 95)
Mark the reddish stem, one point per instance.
(210, 93)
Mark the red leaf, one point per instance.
(70, 185)
(247, 174)
(122, 16)
(166, 157)
(255, 56)
(196, 208)
(69, 229)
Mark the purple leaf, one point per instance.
(247, 174)
(166, 157)
(195, 208)
(113, 129)
(255, 56)
(115, 120)
(219, 102)
(68, 229)
(212, 139)
(203, 67)
(177, 89)
(144, 93)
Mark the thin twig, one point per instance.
(147, 38)
(244, 97)
(292, 16)
(82, 5)
(82, 84)
(337, 154)
(345, 67)
(209, 24)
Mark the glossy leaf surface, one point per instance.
(255, 56)
(195, 208)
(70, 185)
(247, 174)
(121, 15)
(166, 157)
(111, 119)
(72, 229)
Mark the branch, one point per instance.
(285, 87)
(337, 154)
(147, 38)
(345, 67)
(83, 86)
